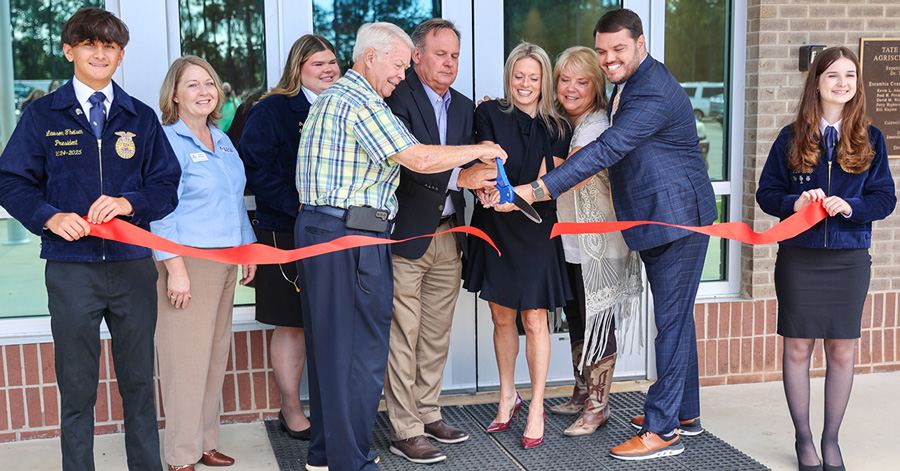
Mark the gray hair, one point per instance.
(434, 24)
(380, 37)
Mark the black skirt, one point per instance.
(821, 292)
(277, 295)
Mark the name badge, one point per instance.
(199, 157)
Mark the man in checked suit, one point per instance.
(657, 174)
(427, 270)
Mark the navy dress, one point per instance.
(531, 274)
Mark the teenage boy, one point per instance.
(91, 150)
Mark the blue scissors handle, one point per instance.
(507, 193)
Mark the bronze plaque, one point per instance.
(880, 61)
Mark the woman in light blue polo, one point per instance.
(196, 296)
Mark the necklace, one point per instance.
(283, 274)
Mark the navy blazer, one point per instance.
(870, 194)
(652, 151)
(53, 164)
(421, 197)
(268, 147)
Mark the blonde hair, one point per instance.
(380, 37)
(545, 107)
(584, 61)
(301, 51)
(167, 104)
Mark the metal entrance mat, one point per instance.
(503, 451)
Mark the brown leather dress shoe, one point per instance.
(214, 458)
(182, 467)
(646, 445)
(418, 450)
(444, 432)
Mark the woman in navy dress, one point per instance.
(829, 154)
(268, 147)
(530, 277)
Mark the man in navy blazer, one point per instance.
(656, 173)
(427, 270)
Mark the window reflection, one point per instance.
(552, 24)
(697, 54)
(714, 266)
(231, 36)
(339, 20)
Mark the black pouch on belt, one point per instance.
(366, 218)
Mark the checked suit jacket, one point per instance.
(652, 151)
(421, 197)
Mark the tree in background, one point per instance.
(230, 35)
(339, 20)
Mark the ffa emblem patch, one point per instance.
(125, 145)
(301, 127)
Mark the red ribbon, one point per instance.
(257, 254)
(739, 231)
(121, 231)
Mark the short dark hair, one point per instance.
(433, 24)
(614, 21)
(94, 24)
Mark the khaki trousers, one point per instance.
(192, 345)
(425, 292)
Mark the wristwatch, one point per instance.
(538, 191)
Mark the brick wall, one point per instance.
(29, 398)
(737, 343)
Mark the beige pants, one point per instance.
(192, 345)
(425, 292)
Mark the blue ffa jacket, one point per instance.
(54, 164)
(870, 194)
(269, 150)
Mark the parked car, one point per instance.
(21, 92)
(704, 141)
(717, 107)
(700, 94)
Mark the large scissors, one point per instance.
(508, 194)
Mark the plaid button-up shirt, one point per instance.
(344, 158)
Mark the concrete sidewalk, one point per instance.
(752, 417)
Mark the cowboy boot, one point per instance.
(580, 392)
(596, 408)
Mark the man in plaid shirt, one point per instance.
(347, 172)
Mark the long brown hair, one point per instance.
(854, 152)
(301, 51)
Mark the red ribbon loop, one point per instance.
(252, 254)
(739, 231)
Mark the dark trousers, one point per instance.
(80, 296)
(347, 300)
(673, 271)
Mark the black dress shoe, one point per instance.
(295, 434)
(828, 467)
(805, 467)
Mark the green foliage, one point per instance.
(230, 35)
(697, 39)
(36, 26)
(339, 20)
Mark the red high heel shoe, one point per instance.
(502, 426)
(533, 442)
